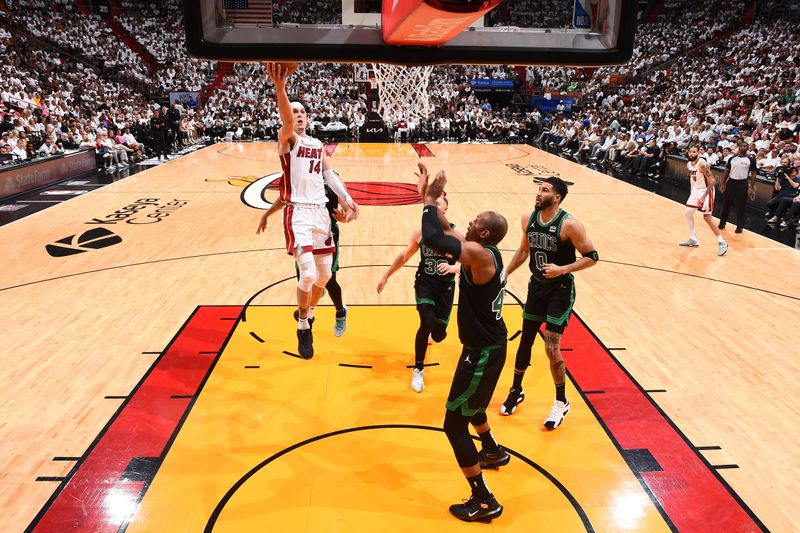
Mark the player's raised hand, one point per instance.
(278, 73)
(436, 188)
(422, 180)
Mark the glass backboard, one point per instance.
(520, 32)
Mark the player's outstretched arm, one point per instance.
(278, 74)
(524, 251)
(433, 234)
(401, 259)
(335, 184)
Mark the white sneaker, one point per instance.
(417, 381)
(691, 243)
(557, 414)
(723, 247)
(340, 325)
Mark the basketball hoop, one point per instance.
(403, 91)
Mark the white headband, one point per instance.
(297, 105)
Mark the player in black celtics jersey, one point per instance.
(434, 288)
(482, 332)
(339, 212)
(550, 237)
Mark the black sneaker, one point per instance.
(494, 459)
(474, 510)
(515, 397)
(297, 318)
(305, 343)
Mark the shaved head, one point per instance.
(497, 225)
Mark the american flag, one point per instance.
(248, 11)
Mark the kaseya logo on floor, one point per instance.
(94, 239)
(142, 211)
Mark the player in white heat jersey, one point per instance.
(306, 221)
(701, 199)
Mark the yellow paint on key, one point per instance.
(254, 455)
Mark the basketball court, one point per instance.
(152, 383)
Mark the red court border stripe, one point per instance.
(422, 150)
(143, 426)
(690, 494)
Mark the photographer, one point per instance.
(793, 214)
(786, 185)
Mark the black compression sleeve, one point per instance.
(433, 235)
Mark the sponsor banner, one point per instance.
(185, 98)
(374, 129)
(18, 179)
(489, 84)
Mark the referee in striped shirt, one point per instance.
(739, 181)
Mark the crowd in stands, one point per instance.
(681, 26)
(307, 12)
(532, 14)
(56, 91)
(160, 31)
(50, 102)
(245, 107)
(62, 24)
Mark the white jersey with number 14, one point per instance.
(302, 182)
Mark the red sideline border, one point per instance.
(688, 492)
(141, 431)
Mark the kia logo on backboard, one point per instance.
(94, 239)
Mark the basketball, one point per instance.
(289, 67)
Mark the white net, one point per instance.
(403, 92)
